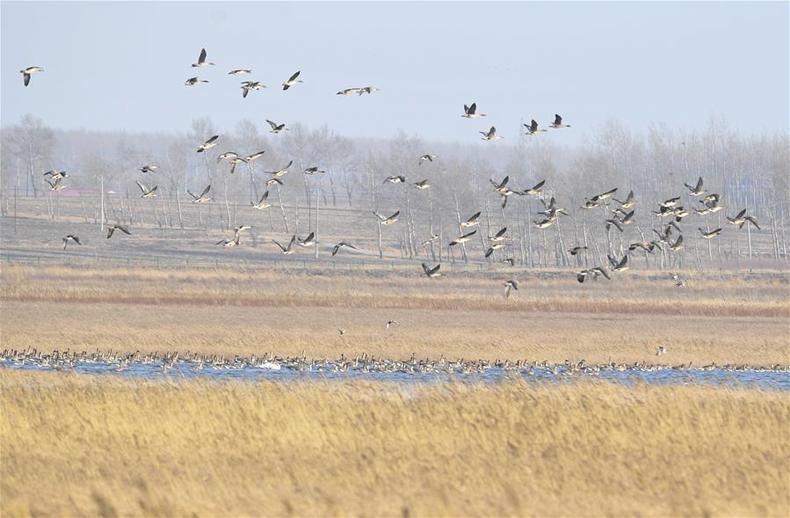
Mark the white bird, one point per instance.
(558, 122)
(490, 134)
(202, 197)
(262, 203)
(147, 193)
(29, 71)
(291, 81)
(276, 127)
(210, 143)
(192, 81)
(201, 62)
(470, 112)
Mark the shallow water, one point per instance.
(411, 373)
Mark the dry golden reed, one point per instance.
(80, 445)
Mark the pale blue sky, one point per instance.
(122, 65)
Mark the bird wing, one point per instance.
(123, 229)
(294, 76)
(141, 186)
(557, 119)
(539, 185)
(202, 57)
(110, 231)
(27, 78)
(205, 191)
(501, 232)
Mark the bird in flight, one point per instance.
(249, 86)
(149, 168)
(557, 124)
(28, 72)
(470, 112)
(426, 158)
(431, 272)
(202, 197)
(592, 272)
(262, 203)
(70, 239)
(201, 62)
(395, 179)
(337, 247)
(387, 221)
(422, 184)
(193, 81)
(463, 239)
(696, 190)
(147, 193)
(532, 128)
(291, 81)
(286, 250)
(210, 143)
(276, 127)
(490, 134)
(112, 228)
(282, 171)
(510, 285)
(239, 71)
(313, 170)
(473, 220)
(709, 234)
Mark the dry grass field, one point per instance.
(726, 318)
(81, 445)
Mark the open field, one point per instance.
(88, 446)
(726, 318)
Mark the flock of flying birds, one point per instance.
(618, 218)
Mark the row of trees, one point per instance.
(748, 172)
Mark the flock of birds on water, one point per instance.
(192, 362)
(619, 217)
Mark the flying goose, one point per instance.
(29, 71)
(313, 170)
(605, 195)
(594, 272)
(749, 219)
(557, 124)
(262, 203)
(201, 62)
(696, 190)
(463, 239)
(368, 90)
(337, 247)
(350, 91)
(112, 228)
(239, 229)
(616, 222)
(545, 223)
(431, 272)
(532, 128)
(291, 81)
(281, 172)
(210, 143)
(501, 186)
(618, 266)
(202, 198)
(422, 184)
(669, 203)
(430, 240)
(193, 81)
(709, 235)
(596, 200)
(54, 174)
(248, 86)
(537, 190)
(255, 156)
(70, 238)
(229, 243)
(392, 323)
(56, 185)
(308, 241)
(273, 181)
(647, 246)
(490, 134)
(512, 284)
(499, 236)
(147, 193)
(149, 168)
(509, 261)
(395, 179)
(239, 71)
(677, 245)
(287, 250)
(276, 128)
(228, 155)
(629, 202)
(387, 221)
(427, 157)
(492, 248)
(470, 112)
(473, 220)
(576, 249)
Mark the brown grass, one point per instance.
(105, 446)
(729, 320)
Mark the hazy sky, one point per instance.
(122, 65)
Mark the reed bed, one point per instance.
(87, 446)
